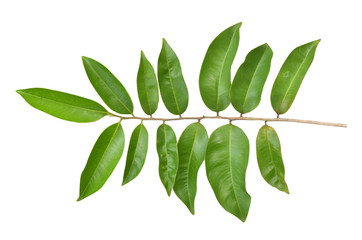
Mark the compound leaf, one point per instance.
(108, 87)
(270, 158)
(291, 75)
(215, 76)
(226, 161)
(63, 105)
(172, 84)
(168, 156)
(147, 86)
(136, 155)
(248, 84)
(102, 160)
(191, 151)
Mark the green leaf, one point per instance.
(63, 105)
(168, 156)
(215, 76)
(102, 160)
(172, 84)
(248, 84)
(108, 87)
(136, 155)
(147, 86)
(191, 151)
(291, 75)
(270, 158)
(226, 160)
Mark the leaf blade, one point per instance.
(226, 161)
(108, 87)
(168, 156)
(173, 88)
(191, 149)
(147, 87)
(63, 105)
(136, 154)
(102, 160)
(248, 84)
(270, 158)
(215, 76)
(291, 75)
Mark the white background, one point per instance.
(42, 157)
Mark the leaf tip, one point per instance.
(316, 42)
(164, 42)
(124, 182)
(80, 198)
(238, 25)
(266, 46)
(20, 91)
(192, 211)
(85, 59)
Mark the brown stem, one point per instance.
(233, 119)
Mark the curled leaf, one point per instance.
(168, 156)
(248, 84)
(270, 158)
(215, 76)
(291, 75)
(226, 161)
(191, 151)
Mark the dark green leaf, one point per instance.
(215, 77)
(191, 151)
(136, 155)
(291, 75)
(102, 160)
(168, 156)
(108, 87)
(226, 160)
(147, 86)
(63, 105)
(270, 158)
(248, 84)
(172, 84)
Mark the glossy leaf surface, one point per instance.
(136, 155)
(108, 87)
(168, 156)
(226, 161)
(291, 75)
(215, 76)
(63, 105)
(270, 158)
(191, 151)
(147, 86)
(248, 84)
(172, 84)
(102, 160)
